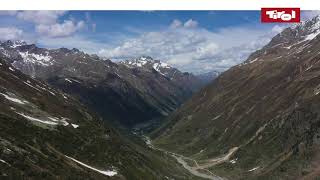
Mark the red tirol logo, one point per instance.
(280, 15)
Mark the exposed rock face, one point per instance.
(267, 106)
(129, 92)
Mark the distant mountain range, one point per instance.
(209, 76)
(128, 92)
(259, 119)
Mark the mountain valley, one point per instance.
(67, 114)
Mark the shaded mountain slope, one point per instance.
(46, 134)
(126, 93)
(266, 109)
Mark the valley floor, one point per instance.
(196, 169)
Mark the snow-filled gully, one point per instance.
(107, 172)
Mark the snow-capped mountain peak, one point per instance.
(146, 63)
(292, 40)
(307, 29)
(138, 62)
(22, 53)
(145, 58)
(18, 43)
(311, 24)
(13, 44)
(143, 61)
(40, 59)
(158, 66)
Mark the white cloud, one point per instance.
(66, 28)
(194, 49)
(10, 33)
(278, 29)
(163, 44)
(186, 45)
(190, 23)
(40, 17)
(176, 24)
(47, 22)
(78, 42)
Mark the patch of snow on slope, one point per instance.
(317, 90)
(164, 65)
(315, 29)
(253, 169)
(3, 161)
(62, 120)
(15, 100)
(51, 92)
(44, 60)
(312, 35)
(217, 117)
(37, 120)
(45, 89)
(233, 161)
(74, 126)
(53, 120)
(156, 66)
(316, 25)
(139, 62)
(68, 80)
(107, 173)
(17, 44)
(143, 58)
(252, 61)
(64, 96)
(28, 83)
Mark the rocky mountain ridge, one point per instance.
(259, 119)
(126, 93)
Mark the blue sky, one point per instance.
(196, 41)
